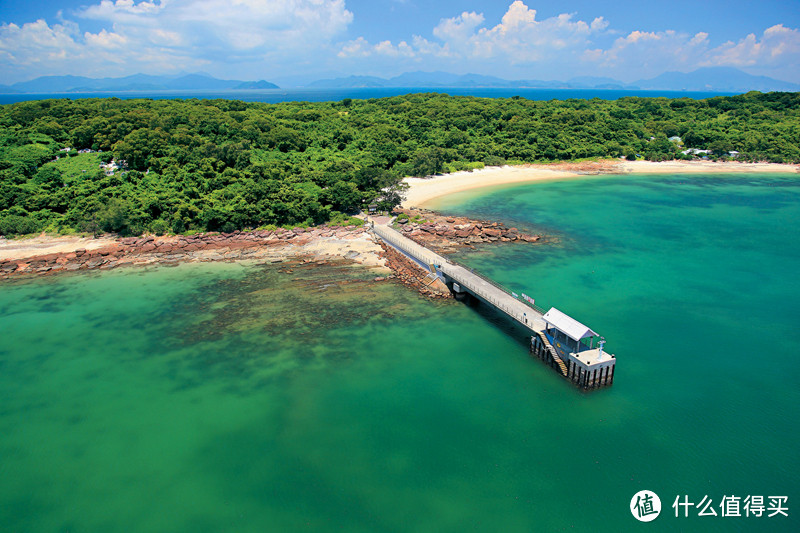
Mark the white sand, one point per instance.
(423, 190)
(362, 244)
(705, 167)
(44, 244)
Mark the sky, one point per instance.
(298, 41)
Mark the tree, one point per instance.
(344, 196)
(427, 162)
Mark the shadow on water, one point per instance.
(499, 320)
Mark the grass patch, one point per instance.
(73, 167)
(341, 219)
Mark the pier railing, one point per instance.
(423, 254)
(409, 247)
(497, 285)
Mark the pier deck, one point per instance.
(587, 368)
(518, 310)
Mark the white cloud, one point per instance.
(459, 28)
(256, 38)
(179, 34)
(519, 37)
(357, 48)
(235, 26)
(361, 48)
(565, 45)
(651, 52)
(776, 53)
(778, 45)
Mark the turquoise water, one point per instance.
(243, 397)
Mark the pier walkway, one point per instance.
(526, 314)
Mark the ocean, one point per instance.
(248, 397)
(334, 95)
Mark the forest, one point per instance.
(182, 166)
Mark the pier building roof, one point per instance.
(571, 327)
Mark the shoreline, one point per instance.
(422, 191)
(47, 254)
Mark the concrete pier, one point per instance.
(556, 338)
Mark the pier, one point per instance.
(573, 350)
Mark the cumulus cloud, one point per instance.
(182, 34)
(651, 52)
(776, 52)
(566, 45)
(246, 36)
(518, 38)
(777, 45)
(235, 25)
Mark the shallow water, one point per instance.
(243, 397)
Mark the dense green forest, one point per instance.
(220, 165)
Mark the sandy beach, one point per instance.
(423, 190)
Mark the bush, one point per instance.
(178, 226)
(341, 219)
(494, 161)
(17, 225)
(159, 227)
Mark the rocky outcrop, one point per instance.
(445, 234)
(172, 249)
(411, 274)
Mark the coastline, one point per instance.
(44, 255)
(47, 254)
(422, 191)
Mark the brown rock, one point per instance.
(46, 258)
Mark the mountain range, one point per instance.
(711, 79)
(136, 82)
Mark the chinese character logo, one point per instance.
(645, 505)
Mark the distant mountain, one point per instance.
(712, 79)
(421, 79)
(260, 84)
(597, 82)
(350, 82)
(444, 79)
(136, 82)
(719, 79)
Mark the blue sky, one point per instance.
(285, 40)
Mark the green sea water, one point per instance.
(247, 397)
